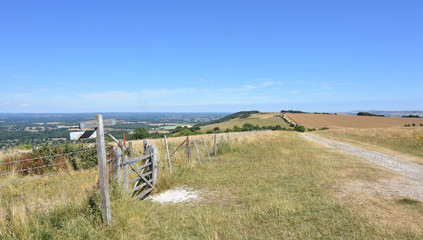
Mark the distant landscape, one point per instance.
(52, 128)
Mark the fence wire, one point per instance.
(41, 183)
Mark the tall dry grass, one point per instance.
(404, 140)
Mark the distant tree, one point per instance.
(300, 128)
(248, 127)
(369, 114)
(194, 129)
(140, 133)
(184, 132)
(237, 129)
(411, 116)
(216, 129)
(177, 129)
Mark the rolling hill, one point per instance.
(258, 118)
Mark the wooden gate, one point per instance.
(141, 173)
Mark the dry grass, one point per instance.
(346, 121)
(401, 140)
(261, 119)
(274, 185)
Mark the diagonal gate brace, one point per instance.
(140, 175)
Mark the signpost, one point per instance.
(97, 131)
(93, 124)
(83, 135)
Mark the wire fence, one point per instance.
(48, 178)
(182, 152)
(29, 184)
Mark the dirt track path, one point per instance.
(402, 166)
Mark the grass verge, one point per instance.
(407, 141)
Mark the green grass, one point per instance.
(268, 186)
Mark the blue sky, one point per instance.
(200, 56)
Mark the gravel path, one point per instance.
(402, 166)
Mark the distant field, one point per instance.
(346, 121)
(261, 119)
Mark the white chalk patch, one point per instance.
(176, 196)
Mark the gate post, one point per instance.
(154, 162)
(126, 170)
(102, 171)
(117, 162)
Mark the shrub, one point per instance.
(185, 132)
(311, 129)
(237, 129)
(324, 128)
(23, 147)
(247, 127)
(299, 128)
(414, 124)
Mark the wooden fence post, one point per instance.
(117, 164)
(102, 171)
(154, 161)
(196, 148)
(126, 169)
(189, 149)
(215, 144)
(168, 156)
(207, 149)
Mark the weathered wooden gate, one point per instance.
(140, 173)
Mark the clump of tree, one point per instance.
(325, 113)
(292, 111)
(299, 128)
(369, 114)
(411, 116)
(140, 133)
(186, 131)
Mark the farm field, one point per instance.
(346, 121)
(400, 139)
(261, 119)
(273, 185)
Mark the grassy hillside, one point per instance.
(275, 185)
(261, 119)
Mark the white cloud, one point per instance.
(268, 83)
(25, 105)
(295, 91)
(4, 104)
